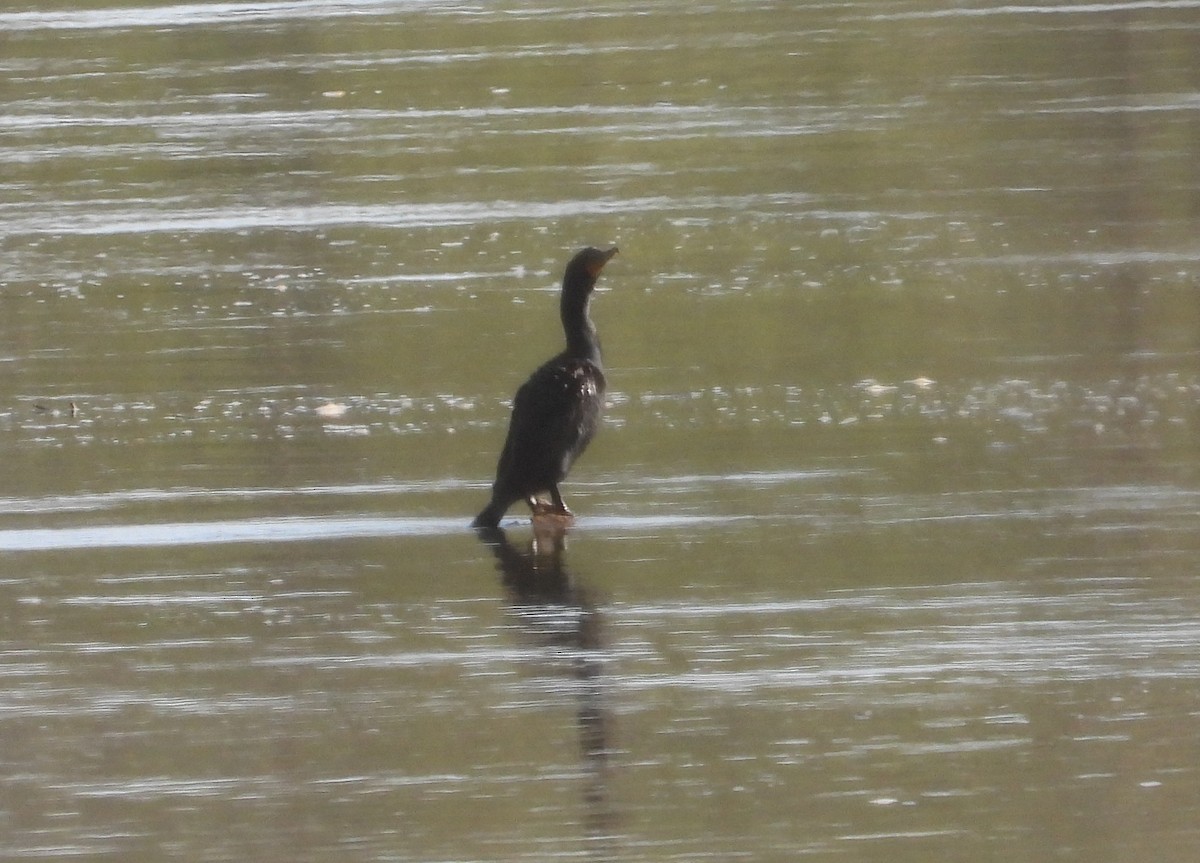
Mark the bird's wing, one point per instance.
(548, 420)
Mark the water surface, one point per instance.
(887, 549)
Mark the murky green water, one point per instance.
(888, 549)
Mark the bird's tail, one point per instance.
(492, 513)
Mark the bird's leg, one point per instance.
(538, 507)
(560, 506)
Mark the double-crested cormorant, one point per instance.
(557, 411)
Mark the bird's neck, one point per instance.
(582, 341)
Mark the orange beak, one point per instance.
(599, 265)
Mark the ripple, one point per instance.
(188, 15)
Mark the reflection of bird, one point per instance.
(559, 618)
(557, 411)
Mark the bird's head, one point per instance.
(585, 267)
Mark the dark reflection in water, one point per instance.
(558, 618)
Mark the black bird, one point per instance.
(557, 411)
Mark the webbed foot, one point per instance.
(550, 511)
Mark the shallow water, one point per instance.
(887, 549)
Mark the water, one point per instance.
(887, 549)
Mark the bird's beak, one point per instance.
(599, 265)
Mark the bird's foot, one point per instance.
(544, 510)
